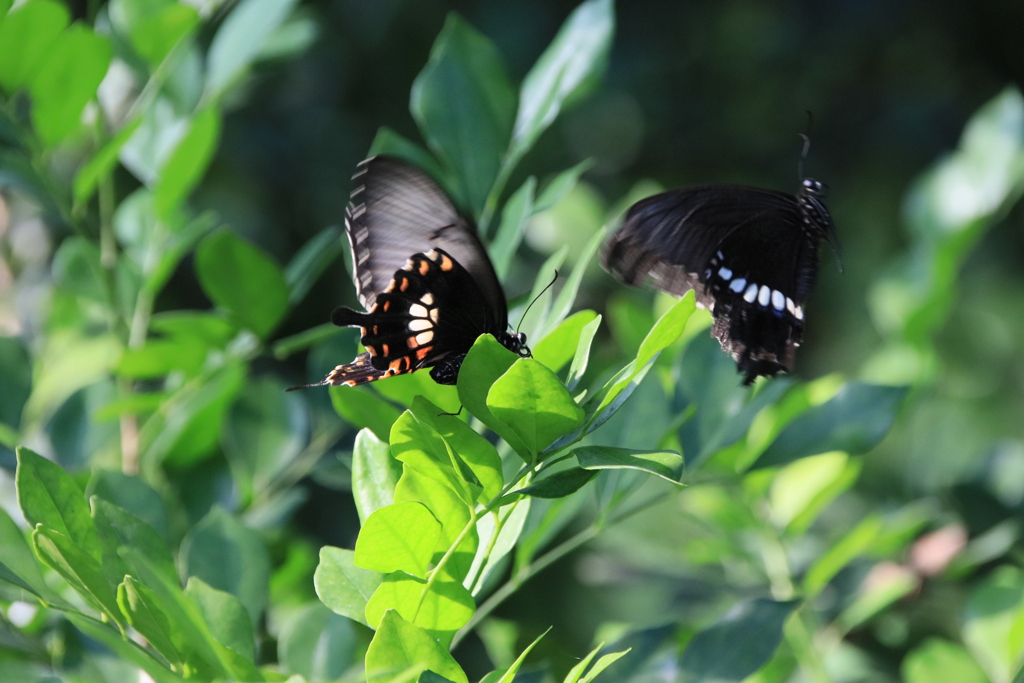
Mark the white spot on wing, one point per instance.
(738, 284)
(427, 299)
(725, 273)
(424, 338)
(419, 324)
(751, 293)
(778, 300)
(418, 311)
(764, 295)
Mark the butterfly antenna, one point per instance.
(807, 143)
(539, 295)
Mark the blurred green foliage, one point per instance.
(172, 177)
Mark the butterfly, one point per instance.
(423, 276)
(750, 255)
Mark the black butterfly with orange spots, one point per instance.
(423, 276)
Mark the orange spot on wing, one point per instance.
(387, 305)
(404, 285)
(422, 352)
(424, 267)
(446, 263)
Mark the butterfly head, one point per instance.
(814, 188)
(516, 343)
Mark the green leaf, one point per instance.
(841, 554)
(310, 262)
(507, 522)
(186, 165)
(131, 494)
(363, 408)
(159, 357)
(317, 644)
(49, 496)
(940, 660)
(399, 645)
(236, 275)
(558, 485)
(440, 609)
(451, 512)
(854, 421)
(399, 537)
(229, 557)
(405, 389)
(582, 356)
(992, 629)
(27, 34)
(486, 362)
(124, 648)
(510, 674)
(341, 585)
(264, 433)
(374, 474)
(102, 164)
(82, 572)
(570, 66)
(476, 452)
(227, 618)
(119, 529)
(387, 141)
(567, 296)
(557, 348)
(602, 664)
(65, 80)
(417, 444)
(146, 613)
(464, 105)
(155, 28)
(238, 41)
(667, 330)
(534, 404)
(17, 563)
(518, 209)
(738, 644)
(802, 489)
(16, 379)
(560, 186)
(665, 464)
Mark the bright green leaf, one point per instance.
(940, 660)
(235, 275)
(534, 404)
(582, 356)
(451, 512)
(993, 621)
(399, 645)
(418, 445)
(186, 165)
(486, 362)
(27, 34)
(374, 474)
(841, 554)
(557, 347)
(442, 609)
(464, 105)
(802, 489)
(159, 357)
(341, 585)
(665, 464)
(399, 537)
(510, 674)
(363, 408)
(603, 663)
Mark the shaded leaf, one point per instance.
(665, 464)
(341, 585)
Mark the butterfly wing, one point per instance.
(395, 211)
(745, 252)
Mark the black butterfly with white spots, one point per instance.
(750, 255)
(423, 276)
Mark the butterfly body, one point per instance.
(423, 276)
(749, 254)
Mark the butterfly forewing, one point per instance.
(396, 210)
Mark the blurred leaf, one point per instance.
(665, 464)
(28, 34)
(854, 544)
(941, 660)
(374, 474)
(341, 585)
(154, 28)
(187, 428)
(49, 496)
(17, 563)
(451, 512)
(310, 262)
(387, 141)
(478, 454)
(124, 648)
(535, 314)
(157, 135)
(186, 165)
(399, 537)
(534, 404)
(243, 281)
(560, 186)
(486, 362)
(210, 328)
(146, 614)
(802, 489)
(120, 530)
(239, 39)
(567, 296)
(879, 591)
(363, 408)
(265, 431)
(229, 557)
(65, 79)
(994, 624)
(228, 619)
(16, 379)
(399, 645)
(464, 105)
(440, 608)
(602, 664)
(518, 209)
(557, 347)
(569, 67)
(159, 357)
(855, 420)
(80, 569)
(544, 521)
(102, 164)
(317, 644)
(507, 522)
(738, 644)
(418, 445)
(558, 485)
